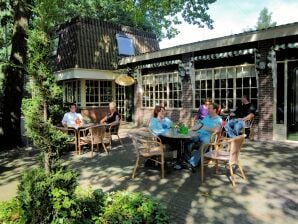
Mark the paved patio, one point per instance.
(269, 196)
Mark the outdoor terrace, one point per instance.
(270, 195)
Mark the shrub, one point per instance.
(91, 204)
(55, 198)
(11, 212)
(40, 193)
(125, 207)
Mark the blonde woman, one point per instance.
(113, 116)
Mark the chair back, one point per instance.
(98, 133)
(234, 147)
(115, 128)
(215, 136)
(147, 144)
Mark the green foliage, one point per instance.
(125, 207)
(44, 135)
(265, 20)
(11, 212)
(46, 197)
(55, 198)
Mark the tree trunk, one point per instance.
(14, 76)
(47, 162)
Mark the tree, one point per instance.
(14, 73)
(265, 20)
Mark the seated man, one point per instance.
(211, 123)
(72, 118)
(245, 112)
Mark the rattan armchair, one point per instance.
(112, 129)
(148, 147)
(226, 151)
(98, 134)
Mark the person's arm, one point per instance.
(81, 118)
(117, 120)
(215, 129)
(64, 120)
(156, 127)
(197, 127)
(167, 123)
(104, 119)
(251, 115)
(199, 113)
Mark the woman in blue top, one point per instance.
(158, 123)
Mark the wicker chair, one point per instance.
(148, 147)
(111, 130)
(227, 151)
(98, 133)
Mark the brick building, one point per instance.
(261, 64)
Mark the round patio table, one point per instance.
(174, 134)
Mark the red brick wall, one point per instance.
(264, 128)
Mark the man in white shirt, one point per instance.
(72, 118)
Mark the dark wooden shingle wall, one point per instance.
(91, 43)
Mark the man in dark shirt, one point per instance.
(244, 114)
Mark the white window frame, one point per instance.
(100, 93)
(161, 89)
(240, 74)
(72, 92)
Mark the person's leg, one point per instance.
(188, 147)
(238, 126)
(229, 128)
(195, 159)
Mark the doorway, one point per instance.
(292, 112)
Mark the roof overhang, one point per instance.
(79, 73)
(243, 38)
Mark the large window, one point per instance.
(98, 93)
(72, 92)
(162, 89)
(226, 85)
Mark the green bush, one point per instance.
(40, 193)
(124, 207)
(91, 204)
(55, 198)
(11, 212)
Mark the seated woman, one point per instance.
(203, 110)
(113, 117)
(160, 124)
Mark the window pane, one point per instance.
(167, 90)
(125, 45)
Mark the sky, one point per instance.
(234, 16)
